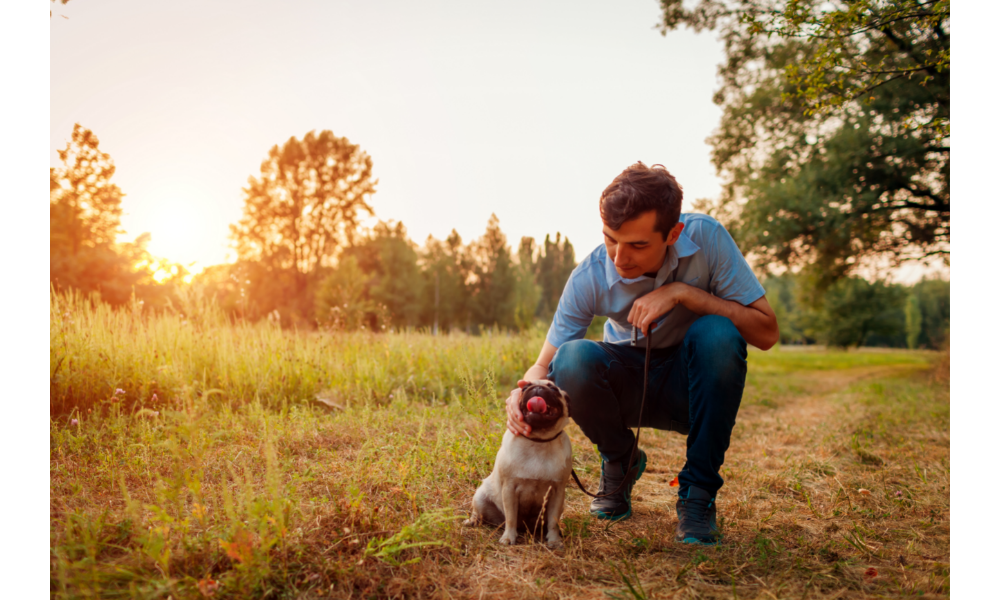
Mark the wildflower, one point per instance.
(74, 422)
(871, 572)
(154, 398)
(390, 395)
(899, 494)
(119, 391)
(208, 587)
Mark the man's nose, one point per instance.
(620, 258)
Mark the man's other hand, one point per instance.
(655, 304)
(515, 420)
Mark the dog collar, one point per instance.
(543, 441)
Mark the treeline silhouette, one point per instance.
(305, 262)
(303, 259)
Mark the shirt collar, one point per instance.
(682, 248)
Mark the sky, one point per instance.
(523, 109)
(526, 110)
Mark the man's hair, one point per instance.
(639, 189)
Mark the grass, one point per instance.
(235, 482)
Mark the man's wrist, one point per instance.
(686, 297)
(535, 372)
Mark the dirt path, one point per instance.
(793, 475)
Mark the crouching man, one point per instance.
(683, 282)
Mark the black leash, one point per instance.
(638, 429)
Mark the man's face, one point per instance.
(636, 248)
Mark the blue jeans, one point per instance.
(695, 388)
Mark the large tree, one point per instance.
(834, 143)
(297, 213)
(84, 222)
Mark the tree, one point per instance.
(494, 279)
(446, 270)
(834, 141)
(555, 264)
(342, 300)
(389, 260)
(912, 322)
(857, 312)
(84, 222)
(934, 295)
(297, 213)
(527, 292)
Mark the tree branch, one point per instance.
(907, 48)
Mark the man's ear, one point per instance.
(675, 233)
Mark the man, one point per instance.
(683, 282)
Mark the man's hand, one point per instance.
(655, 304)
(515, 420)
(756, 322)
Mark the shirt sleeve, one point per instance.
(731, 278)
(575, 310)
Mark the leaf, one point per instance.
(674, 482)
(241, 548)
(871, 572)
(864, 492)
(208, 587)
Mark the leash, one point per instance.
(638, 429)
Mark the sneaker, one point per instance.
(696, 518)
(616, 506)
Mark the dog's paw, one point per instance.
(556, 544)
(471, 521)
(508, 540)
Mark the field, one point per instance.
(195, 458)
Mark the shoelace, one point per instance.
(613, 484)
(697, 511)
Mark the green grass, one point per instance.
(237, 483)
(95, 351)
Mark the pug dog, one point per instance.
(531, 472)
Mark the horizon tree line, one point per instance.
(304, 261)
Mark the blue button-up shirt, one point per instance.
(704, 256)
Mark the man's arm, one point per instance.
(756, 322)
(515, 420)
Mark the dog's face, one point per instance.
(551, 413)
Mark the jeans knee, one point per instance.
(715, 337)
(576, 359)
(575, 363)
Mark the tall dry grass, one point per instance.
(237, 484)
(96, 350)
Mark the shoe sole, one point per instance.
(697, 542)
(613, 518)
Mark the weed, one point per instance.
(422, 533)
(633, 587)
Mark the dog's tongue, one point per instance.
(537, 404)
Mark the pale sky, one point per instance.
(523, 109)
